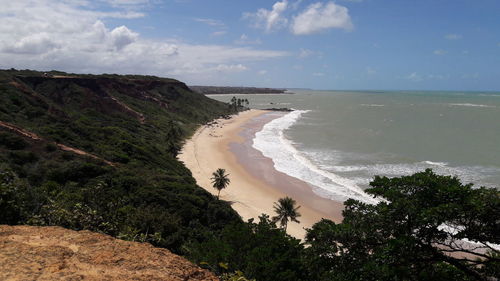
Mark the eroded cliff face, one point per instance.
(55, 253)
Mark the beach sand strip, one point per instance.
(255, 184)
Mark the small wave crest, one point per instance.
(440, 164)
(472, 105)
(272, 142)
(467, 174)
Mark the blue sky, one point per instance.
(343, 44)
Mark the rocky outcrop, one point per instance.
(55, 253)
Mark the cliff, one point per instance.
(55, 253)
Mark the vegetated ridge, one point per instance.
(222, 90)
(98, 152)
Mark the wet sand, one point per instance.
(255, 184)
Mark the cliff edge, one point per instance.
(55, 253)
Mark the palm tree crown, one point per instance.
(286, 210)
(220, 180)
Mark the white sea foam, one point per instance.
(373, 105)
(273, 144)
(472, 105)
(440, 164)
(490, 95)
(467, 174)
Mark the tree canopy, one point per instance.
(220, 180)
(286, 210)
(416, 233)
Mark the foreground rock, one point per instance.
(55, 253)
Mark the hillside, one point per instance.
(218, 90)
(55, 253)
(97, 152)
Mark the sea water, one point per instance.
(339, 140)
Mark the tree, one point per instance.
(174, 137)
(258, 248)
(220, 180)
(286, 210)
(234, 103)
(415, 233)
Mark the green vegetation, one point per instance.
(401, 238)
(286, 210)
(220, 180)
(135, 122)
(238, 104)
(134, 188)
(261, 250)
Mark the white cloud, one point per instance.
(304, 53)
(127, 2)
(453, 36)
(69, 36)
(319, 17)
(211, 22)
(31, 44)
(122, 36)
(295, 5)
(318, 74)
(230, 68)
(244, 40)
(414, 77)
(440, 52)
(219, 33)
(262, 72)
(269, 20)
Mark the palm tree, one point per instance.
(220, 180)
(286, 210)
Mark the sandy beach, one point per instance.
(255, 184)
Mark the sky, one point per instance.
(318, 44)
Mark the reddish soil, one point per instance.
(55, 253)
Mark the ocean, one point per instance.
(337, 141)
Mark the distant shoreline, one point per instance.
(223, 90)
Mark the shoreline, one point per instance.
(255, 184)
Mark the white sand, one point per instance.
(208, 150)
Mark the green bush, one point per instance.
(11, 141)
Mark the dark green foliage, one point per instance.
(11, 141)
(286, 210)
(402, 238)
(260, 250)
(136, 122)
(238, 104)
(220, 180)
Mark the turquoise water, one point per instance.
(341, 139)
